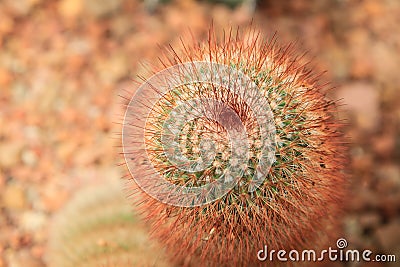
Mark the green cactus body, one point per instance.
(97, 228)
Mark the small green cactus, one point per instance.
(98, 228)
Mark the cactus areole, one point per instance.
(232, 145)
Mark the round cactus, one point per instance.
(97, 228)
(233, 147)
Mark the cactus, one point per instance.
(97, 228)
(294, 203)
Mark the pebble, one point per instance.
(33, 220)
(70, 8)
(366, 199)
(338, 62)
(37, 251)
(385, 63)
(121, 26)
(21, 7)
(32, 134)
(5, 79)
(384, 145)
(6, 23)
(10, 154)
(29, 157)
(361, 160)
(389, 236)
(66, 150)
(22, 258)
(370, 220)
(388, 179)
(361, 99)
(52, 198)
(17, 239)
(14, 198)
(113, 68)
(362, 66)
(101, 8)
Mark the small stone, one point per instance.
(151, 5)
(10, 154)
(338, 62)
(5, 78)
(53, 198)
(121, 25)
(385, 63)
(389, 205)
(21, 259)
(70, 8)
(221, 14)
(66, 150)
(86, 156)
(389, 236)
(37, 251)
(29, 158)
(113, 69)
(102, 8)
(361, 160)
(374, 8)
(243, 13)
(370, 220)
(388, 179)
(384, 145)
(362, 67)
(32, 134)
(22, 7)
(33, 220)
(101, 242)
(361, 99)
(14, 197)
(366, 199)
(18, 239)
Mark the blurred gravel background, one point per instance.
(63, 63)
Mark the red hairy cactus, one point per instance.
(232, 145)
